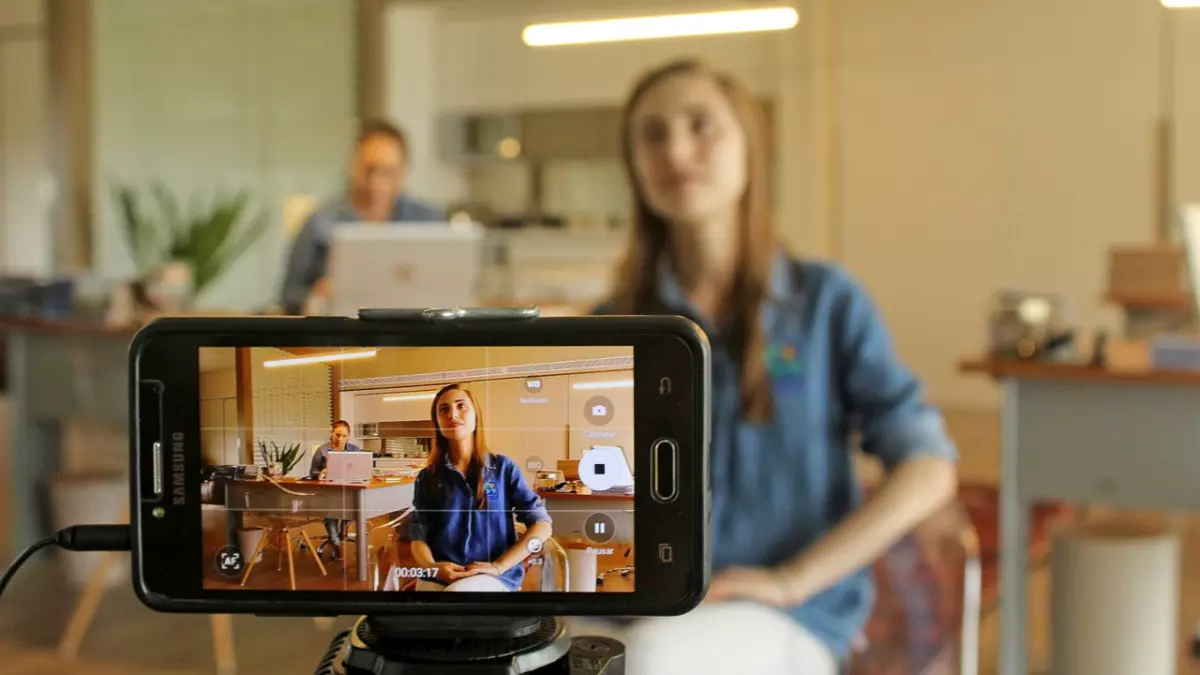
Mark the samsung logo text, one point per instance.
(178, 494)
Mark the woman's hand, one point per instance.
(770, 587)
(449, 572)
(487, 568)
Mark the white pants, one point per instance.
(716, 639)
(480, 583)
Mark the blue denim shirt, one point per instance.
(310, 251)
(456, 531)
(778, 486)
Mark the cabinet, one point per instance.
(521, 423)
(220, 438)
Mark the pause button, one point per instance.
(599, 528)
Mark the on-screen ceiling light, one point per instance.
(409, 397)
(610, 384)
(1180, 4)
(655, 27)
(319, 358)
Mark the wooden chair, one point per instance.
(285, 532)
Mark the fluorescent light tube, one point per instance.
(1180, 4)
(409, 397)
(655, 27)
(319, 358)
(610, 384)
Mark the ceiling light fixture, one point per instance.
(1180, 4)
(656, 27)
(610, 384)
(319, 358)
(409, 397)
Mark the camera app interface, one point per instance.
(418, 469)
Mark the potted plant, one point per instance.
(178, 255)
(280, 460)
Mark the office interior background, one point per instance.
(945, 153)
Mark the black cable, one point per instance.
(74, 538)
(25, 555)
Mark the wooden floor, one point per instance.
(129, 638)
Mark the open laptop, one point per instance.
(349, 467)
(406, 264)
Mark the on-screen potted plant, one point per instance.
(280, 460)
(180, 254)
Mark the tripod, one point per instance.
(432, 645)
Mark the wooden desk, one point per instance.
(57, 370)
(321, 499)
(1127, 438)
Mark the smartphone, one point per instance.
(406, 464)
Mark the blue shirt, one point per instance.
(778, 486)
(306, 264)
(446, 517)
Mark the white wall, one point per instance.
(222, 95)
(986, 146)
(1187, 105)
(26, 233)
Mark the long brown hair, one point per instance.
(441, 447)
(636, 277)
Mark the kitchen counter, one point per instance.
(570, 512)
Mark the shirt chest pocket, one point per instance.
(792, 408)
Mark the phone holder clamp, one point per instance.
(432, 645)
(449, 315)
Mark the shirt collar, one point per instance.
(783, 293)
(488, 469)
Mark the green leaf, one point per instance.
(172, 220)
(139, 231)
(207, 237)
(211, 236)
(241, 242)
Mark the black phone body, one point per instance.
(186, 558)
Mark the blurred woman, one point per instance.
(801, 360)
(465, 499)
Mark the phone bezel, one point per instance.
(167, 563)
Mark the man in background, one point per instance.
(378, 168)
(339, 441)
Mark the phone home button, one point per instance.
(664, 467)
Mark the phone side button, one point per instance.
(664, 467)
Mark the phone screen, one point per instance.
(506, 469)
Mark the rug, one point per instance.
(982, 504)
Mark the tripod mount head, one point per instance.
(455, 645)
